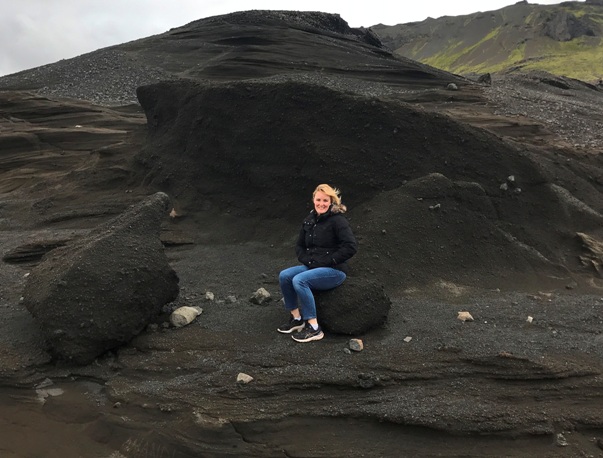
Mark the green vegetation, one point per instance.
(580, 58)
(448, 58)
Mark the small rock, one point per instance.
(465, 316)
(231, 299)
(184, 315)
(209, 296)
(511, 178)
(117, 405)
(530, 319)
(561, 440)
(452, 87)
(407, 339)
(347, 351)
(260, 296)
(435, 207)
(504, 187)
(244, 378)
(356, 345)
(44, 384)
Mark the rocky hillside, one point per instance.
(563, 39)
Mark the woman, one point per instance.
(324, 245)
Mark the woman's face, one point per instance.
(322, 202)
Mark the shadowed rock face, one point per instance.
(563, 26)
(413, 178)
(100, 291)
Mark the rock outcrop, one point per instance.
(97, 293)
(564, 26)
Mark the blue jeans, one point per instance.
(298, 282)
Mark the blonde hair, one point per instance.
(334, 194)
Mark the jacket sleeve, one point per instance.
(346, 246)
(300, 248)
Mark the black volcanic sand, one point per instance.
(421, 170)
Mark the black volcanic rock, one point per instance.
(356, 307)
(98, 292)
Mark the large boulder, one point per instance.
(353, 308)
(98, 292)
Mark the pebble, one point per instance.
(356, 345)
(244, 378)
(465, 316)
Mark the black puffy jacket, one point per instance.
(325, 241)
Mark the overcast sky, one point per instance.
(38, 32)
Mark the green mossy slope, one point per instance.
(564, 39)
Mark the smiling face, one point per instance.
(322, 202)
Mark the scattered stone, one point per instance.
(465, 316)
(347, 351)
(505, 354)
(356, 345)
(407, 339)
(561, 440)
(260, 296)
(231, 299)
(486, 78)
(184, 315)
(244, 378)
(44, 384)
(541, 297)
(435, 207)
(452, 87)
(209, 296)
(44, 393)
(117, 405)
(504, 187)
(511, 178)
(173, 213)
(530, 319)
